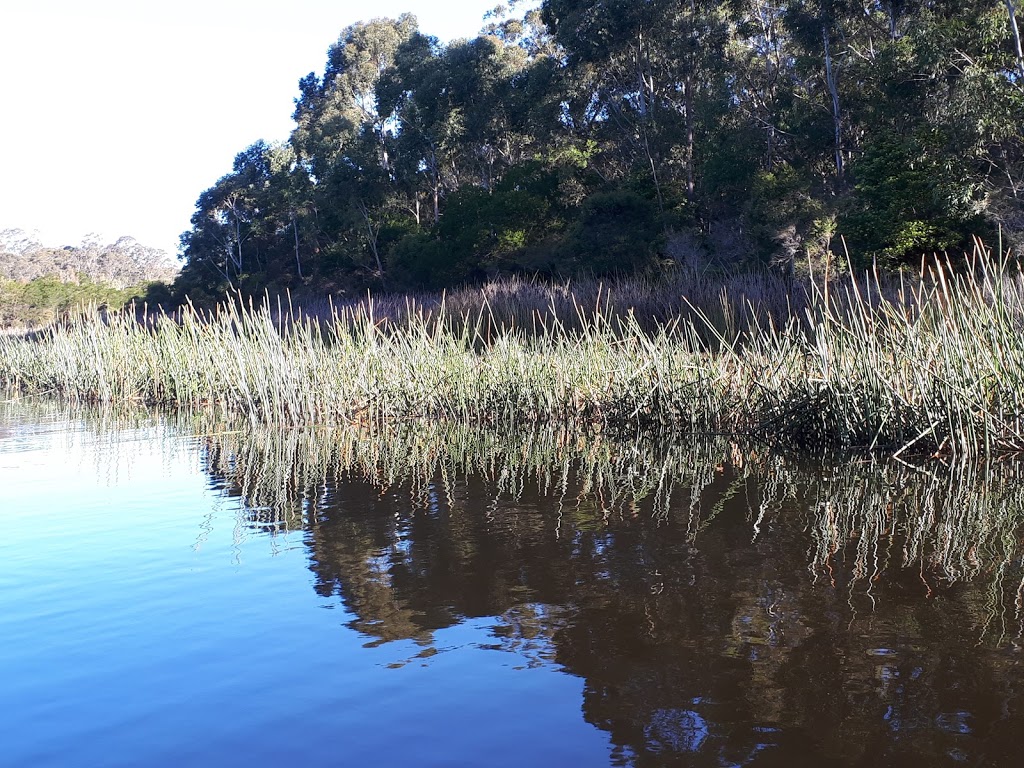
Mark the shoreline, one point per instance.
(936, 367)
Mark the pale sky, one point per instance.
(116, 114)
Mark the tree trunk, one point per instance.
(385, 160)
(372, 231)
(238, 242)
(435, 183)
(295, 229)
(891, 12)
(688, 105)
(769, 75)
(830, 80)
(1011, 9)
(641, 85)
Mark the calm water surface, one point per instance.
(179, 591)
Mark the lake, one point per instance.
(182, 590)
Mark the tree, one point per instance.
(782, 123)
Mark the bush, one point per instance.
(45, 299)
(423, 261)
(908, 202)
(617, 232)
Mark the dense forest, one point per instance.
(616, 136)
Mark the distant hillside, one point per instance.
(121, 264)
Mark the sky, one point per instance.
(116, 114)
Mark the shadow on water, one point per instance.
(722, 605)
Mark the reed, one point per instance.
(934, 365)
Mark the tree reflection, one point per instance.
(723, 607)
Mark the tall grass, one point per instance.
(934, 365)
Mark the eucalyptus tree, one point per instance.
(935, 139)
(825, 33)
(342, 140)
(1012, 11)
(654, 71)
(895, 123)
(238, 235)
(332, 112)
(225, 217)
(760, 60)
(416, 94)
(460, 111)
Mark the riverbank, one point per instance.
(926, 366)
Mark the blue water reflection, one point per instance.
(171, 597)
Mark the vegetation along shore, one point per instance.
(533, 216)
(936, 366)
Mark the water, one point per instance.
(181, 591)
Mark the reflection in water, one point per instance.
(724, 607)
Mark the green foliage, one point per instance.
(908, 201)
(423, 260)
(616, 233)
(782, 211)
(490, 225)
(569, 139)
(45, 299)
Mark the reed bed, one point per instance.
(934, 365)
(730, 301)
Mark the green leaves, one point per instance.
(616, 233)
(576, 137)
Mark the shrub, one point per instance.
(617, 232)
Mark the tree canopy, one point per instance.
(587, 136)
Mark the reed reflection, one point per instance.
(722, 606)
